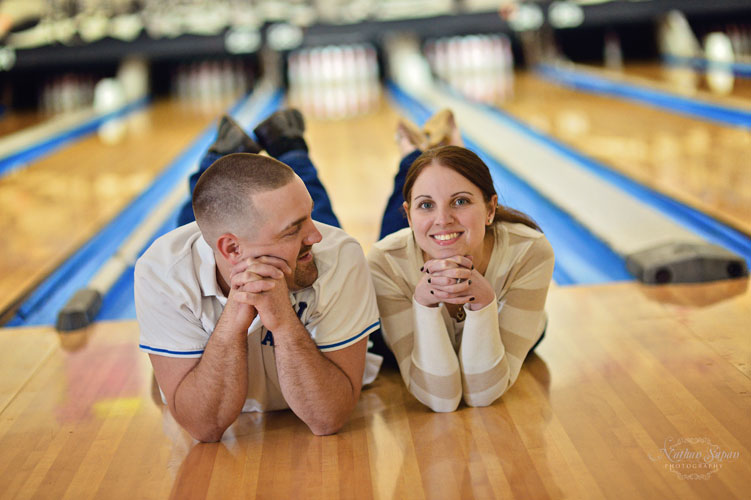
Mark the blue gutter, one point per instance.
(692, 219)
(48, 145)
(742, 70)
(43, 304)
(118, 304)
(717, 113)
(580, 257)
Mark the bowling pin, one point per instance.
(720, 58)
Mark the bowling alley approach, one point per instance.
(388, 249)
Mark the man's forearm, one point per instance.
(316, 389)
(212, 394)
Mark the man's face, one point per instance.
(285, 230)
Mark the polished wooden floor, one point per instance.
(626, 373)
(703, 164)
(625, 370)
(55, 205)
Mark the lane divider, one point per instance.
(86, 304)
(697, 222)
(43, 305)
(22, 148)
(117, 303)
(694, 108)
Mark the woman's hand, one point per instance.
(454, 281)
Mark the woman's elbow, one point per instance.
(482, 399)
(443, 405)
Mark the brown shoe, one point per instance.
(441, 130)
(282, 132)
(410, 137)
(231, 138)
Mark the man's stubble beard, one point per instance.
(304, 276)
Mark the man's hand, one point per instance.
(259, 285)
(453, 281)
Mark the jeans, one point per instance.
(299, 161)
(394, 217)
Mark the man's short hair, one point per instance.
(222, 196)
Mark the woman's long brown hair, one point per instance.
(471, 167)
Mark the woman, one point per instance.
(461, 291)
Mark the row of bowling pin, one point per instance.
(211, 82)
(677, 38)
(67, 93)
(740, 39)
(481, 67)
(71, 92)
(334, 82)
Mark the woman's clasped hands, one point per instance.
(453, 280)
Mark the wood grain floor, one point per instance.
(699, 163)
(625, 372)
(49, 209)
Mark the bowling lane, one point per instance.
(683, 80)
(51, 208)
(699, 163)
(357, 159)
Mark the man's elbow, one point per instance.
(207, 435)
(327, 425)
(325, 430)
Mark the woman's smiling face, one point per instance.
(447, 213)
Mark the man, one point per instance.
(256, 307)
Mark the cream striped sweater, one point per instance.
(442, 360)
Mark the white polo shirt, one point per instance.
(178, 303)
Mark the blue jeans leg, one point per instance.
(301, 164)
(186, 212)
(394, 217)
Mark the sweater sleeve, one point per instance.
(497, 338)
(418, 338)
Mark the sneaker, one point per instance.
(231, 138)
(282, 132)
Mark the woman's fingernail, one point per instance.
(471, 299)
(422, 268)
(428, 280)
(431, 292)
(473, 267)
(470, 282)
(427, 271)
